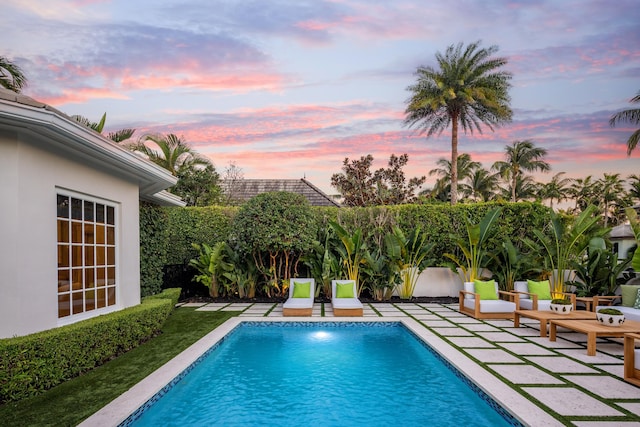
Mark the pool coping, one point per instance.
(121, 408)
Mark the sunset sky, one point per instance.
(289, 88)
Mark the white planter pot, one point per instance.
(561, 308)
(613, 320)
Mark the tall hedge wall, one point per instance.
(153, 248)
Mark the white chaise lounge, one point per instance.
(300, 301)
(344, 298)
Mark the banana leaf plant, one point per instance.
(509, 264)
(561, 243)
(634, 221)
(323, 265)
(380, 275)
(409, 252)
(352, 252)
(475, 256)
(600, 273)
(211, 263)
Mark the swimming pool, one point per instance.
(328, 373)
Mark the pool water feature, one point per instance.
(329, 374)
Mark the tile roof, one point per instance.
(244, 189)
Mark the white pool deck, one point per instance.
(542, 383)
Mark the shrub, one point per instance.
(153, 248)
(34, 363)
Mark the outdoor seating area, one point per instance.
(301, 295)
(558, 375)
(483, 300)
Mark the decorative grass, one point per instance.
(73, 401)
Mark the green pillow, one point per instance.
(485, 290)
(344, 290)
(301, 289)
(541, 289)
(629, 293)
(637, 303)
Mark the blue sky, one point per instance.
(287, 89)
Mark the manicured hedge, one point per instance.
(34, 363)
(153, 248)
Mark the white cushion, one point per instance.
(300, 302)
(344, 302)
(492, 306)
(521, 286)
(527, 304)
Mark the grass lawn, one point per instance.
(71, 402)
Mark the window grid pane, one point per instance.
(86, 255)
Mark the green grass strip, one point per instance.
(75, 400)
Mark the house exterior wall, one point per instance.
(30, 178)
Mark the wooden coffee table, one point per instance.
(544, 316)
(593, 329)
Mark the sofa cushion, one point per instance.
(301, 289)
(541, 289)
(344, 290)
(492, 306)
(485, 290)
(629, 293)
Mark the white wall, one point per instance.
(30, 176)
(438, 282)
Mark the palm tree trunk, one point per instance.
(454, 159)
(514, 182)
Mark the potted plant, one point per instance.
(561, 305)
(610, 317)
(472, 248)
(409, 252)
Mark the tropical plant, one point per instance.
(468, 89)
(482, 185)
(409, 252)
(11, 75)
(117, 136)
(352, 252)
(323, 264)
(174, 155)
(634, 221)
(473, 248)
(562, 243)
(557, 189)
(631, 116)
(600, 272)
(611, 188)
(465, 167)
(240, 274)
(510, 264)
(379, 274)
(520, 156)
(211, 264)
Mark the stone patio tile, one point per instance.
(559, 343)
(569, 401)
(464, 320)
(525, 374)
(470, 342)
(559, 364)
(492, 355)
(632, 407)
(383, 307)
(522, 349)
(241, 304)
(611, 348)
(501, 323)
(438, 308)
(606, 423)
(500, 337)
(194, 304)
(525, 332)
(480, 327)
(426, 317)
(438, 323)
(231, 308)
(616, 370)
(581, 355)
(453, 332)
(605, 386)
(207, 308)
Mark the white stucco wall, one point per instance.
(31, 173)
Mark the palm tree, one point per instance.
(467, 90)
(556, 189)
(633, 117)
(174, 155)
(521, 156)
(584, 191)
(11, 76)
(465, 167)
(117, 136)
(611, 191)
(634, 184)
(525, 188)
(482, 184)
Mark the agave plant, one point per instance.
(410, 253)
(473, 247)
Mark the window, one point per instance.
(86, 255)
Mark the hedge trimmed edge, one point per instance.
(32, 364)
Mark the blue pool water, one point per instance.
(327, 374)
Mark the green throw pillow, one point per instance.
(541, 289)
(485, 290)
(344, 290)
(629, 293)
(301, 289)
(637, 303)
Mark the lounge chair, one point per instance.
(631, 359)
(344, 298)
(533, 297)
(482, 300)
(300, 301)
